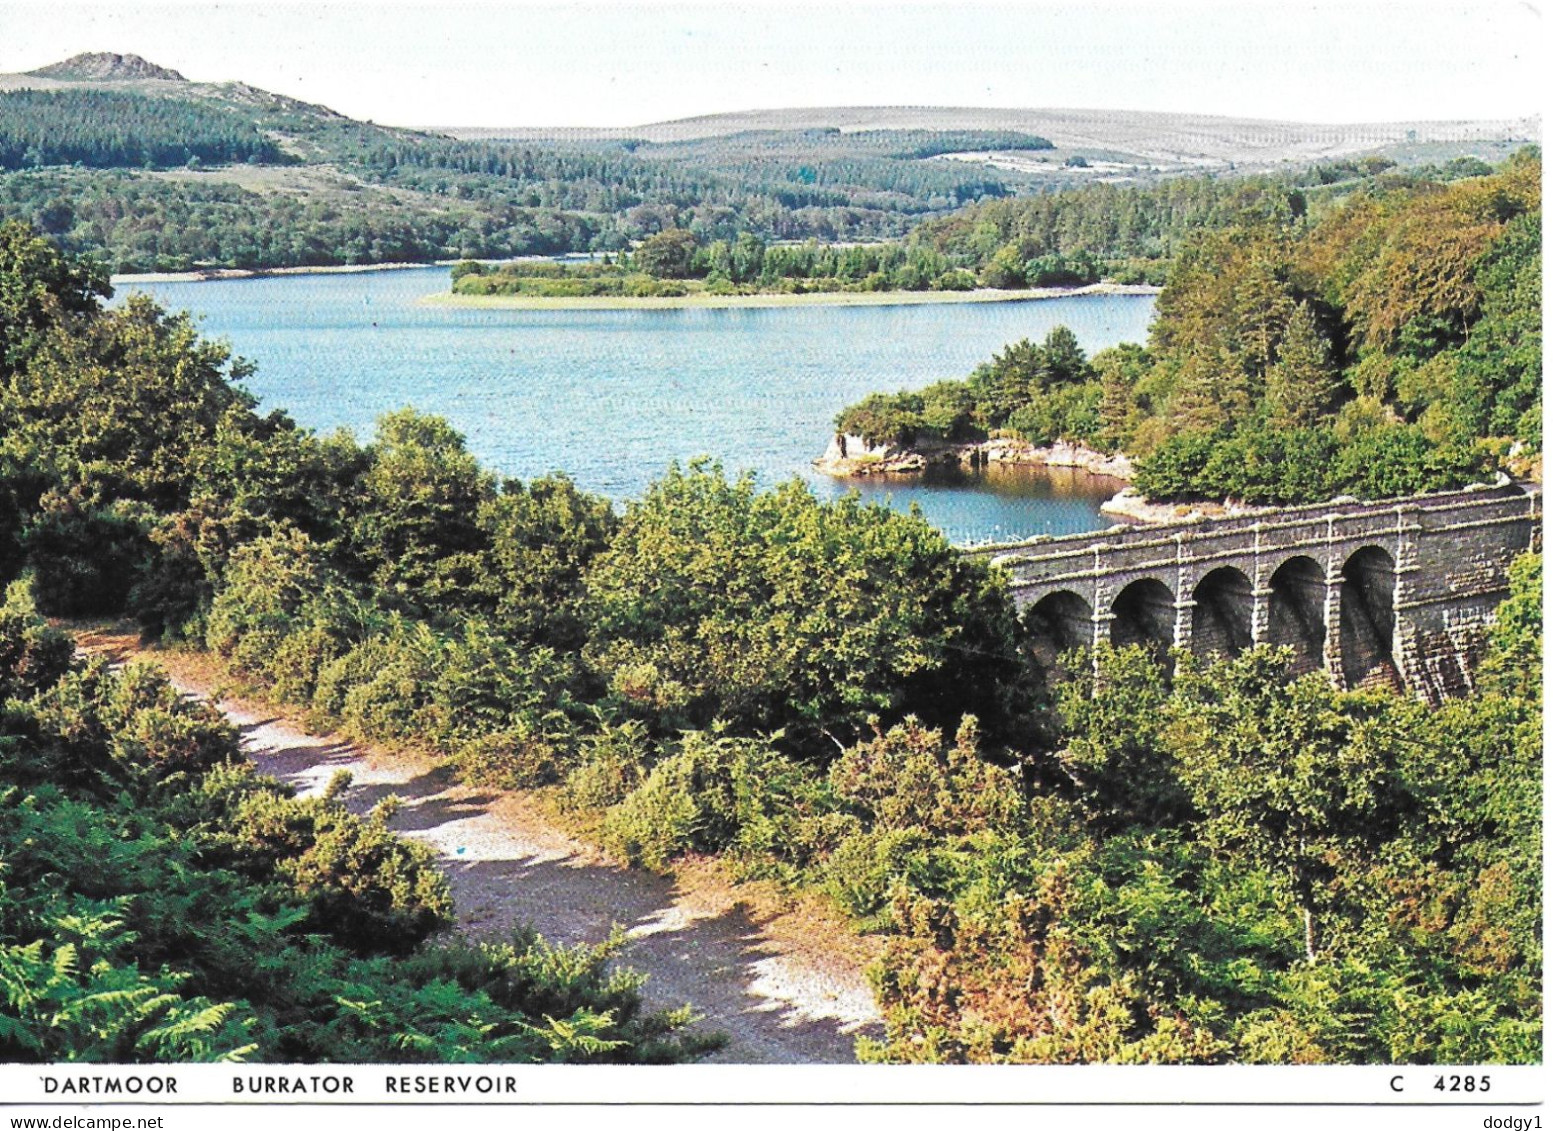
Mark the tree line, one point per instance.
(675, 262)
(376, 194)
(426, 197)
(137, 224)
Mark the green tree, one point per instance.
(420, 500)
(1261, 310)
(667, 255)
(1209, 392)
(1120, 369)
(123, 405)
(1065, 360)
(1289, 776)
(773, 611)
(38, 287)
(1005, 270)
(1302, 383)
(539, 539)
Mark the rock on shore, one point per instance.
(1129, 505)
(849, 456)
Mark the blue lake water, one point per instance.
(613, 396)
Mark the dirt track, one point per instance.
(784, 988)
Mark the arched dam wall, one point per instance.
(1397, 592)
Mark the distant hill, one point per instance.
(115, 155)
(1185, 141)
(131, 74)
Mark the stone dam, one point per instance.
(1397, 592)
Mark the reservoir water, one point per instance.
(611, 397)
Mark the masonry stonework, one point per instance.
(1396, 592)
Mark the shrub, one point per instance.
(611, 764)
(369, 888)
(697, 799)
(520, 757)
(84, 560)
(33, 656)
(863, 871)
(777, 613)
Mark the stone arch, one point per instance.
(1221, 614)
(1368, 619)
(1057, 623)
(1144, 613)
(1296, 612)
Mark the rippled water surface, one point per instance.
(612, 396)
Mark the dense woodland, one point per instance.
(144, 223)
(1073, 237)
(1392, 345)
(108, 130)
(1211, 864)
(91, 168)
(1133, 231)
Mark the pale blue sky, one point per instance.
(630, 63)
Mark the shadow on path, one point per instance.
(508, 870)
(718, 959)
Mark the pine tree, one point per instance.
(1262, 309)
(1210, 391)
(1119, 369)
(1065, 360)
(1116, 404)
(1302, 383)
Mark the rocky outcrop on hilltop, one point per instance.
(106, 66)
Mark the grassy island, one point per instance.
(709, 301)
(675, 268)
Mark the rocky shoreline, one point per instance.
(849, 457)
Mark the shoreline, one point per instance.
(816, 298)
(220, 274)
(849, 458)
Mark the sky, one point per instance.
(510, 64)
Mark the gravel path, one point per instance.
(782, 991)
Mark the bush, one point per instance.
(884, 418)
(370, 889)
(909, 777)
(611, 764)
(697, 799)
(84, 561)
(866, 868)
(521, 757)
(955, 281)
(683, 625)
(33, 656)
